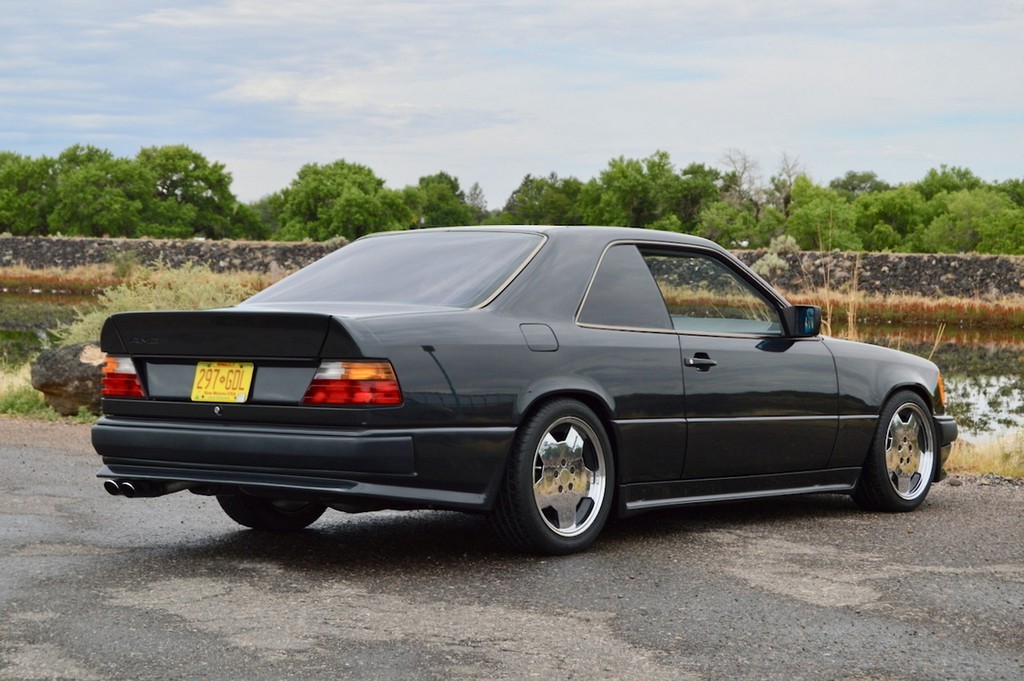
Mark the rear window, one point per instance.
(452, 269)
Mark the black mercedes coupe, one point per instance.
(547, 376)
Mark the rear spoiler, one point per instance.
(229, 333)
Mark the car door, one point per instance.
(757, 403)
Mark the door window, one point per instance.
(704, 295)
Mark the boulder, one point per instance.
(70, 377)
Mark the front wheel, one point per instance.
(901, 464)
(274, 515)
(559, 481)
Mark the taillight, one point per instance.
(120, 378)
(354, 383)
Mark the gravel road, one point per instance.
(97, 587)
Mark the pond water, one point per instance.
(29, 316)
(983, 368)
(983, 371)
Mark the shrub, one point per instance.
(161, 287)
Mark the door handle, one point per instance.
(700, 362)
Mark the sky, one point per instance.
(492, 91)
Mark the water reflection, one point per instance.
(983, 370)
(28, 317)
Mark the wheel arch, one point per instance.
(590, 395)
(914, 387)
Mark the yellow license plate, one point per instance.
(222, 382)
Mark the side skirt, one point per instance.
(639, 497)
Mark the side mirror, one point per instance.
(802, 321)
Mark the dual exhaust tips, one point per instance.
(132, 489)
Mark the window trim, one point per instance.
(729, 261)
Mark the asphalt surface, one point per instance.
(97, 587)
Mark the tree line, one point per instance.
(175, 192)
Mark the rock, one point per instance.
(70, 377)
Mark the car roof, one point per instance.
(587, 233)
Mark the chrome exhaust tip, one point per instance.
(133, 489)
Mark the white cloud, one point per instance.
(493, 91)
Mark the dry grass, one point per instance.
(84, 278)
(840, 307)
(14, 378)
(1004, 456)
(19, 398)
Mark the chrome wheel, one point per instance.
(909, 451)
(569, 476)
(559, 480)
(900, 464)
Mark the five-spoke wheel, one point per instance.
(558, 486)
(900, 467)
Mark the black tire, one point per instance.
(270, 514)
(901, 462)
(559, 482)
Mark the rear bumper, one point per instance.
(444, 468)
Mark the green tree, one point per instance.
(79, 156)
(1003, 232)
(26, 194)
(973, 220)
(636, 193)
(1014, 189)
(855, 184)
(947, 179)
(193, 196)
(889, 219)
(441, 202)
(725, 224)
(550, 200)
(267, 210)
(339, 199)
(102, 197)
(698, 190)
(821, 219)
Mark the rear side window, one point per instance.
(452, 269)
(623, 293)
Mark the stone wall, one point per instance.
(220, 256)
(888, 273)
(922, 274)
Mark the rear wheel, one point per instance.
(901, 464)
(270, 514)
(558, 485)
